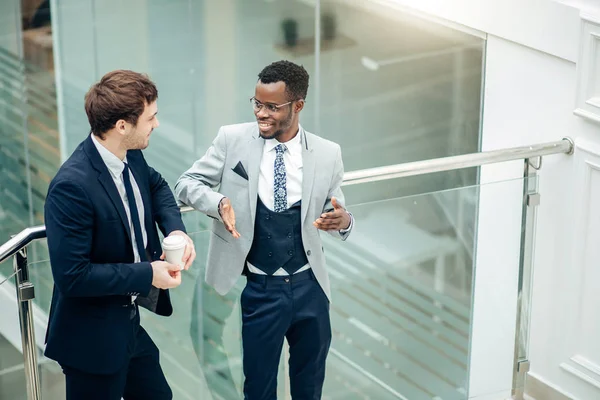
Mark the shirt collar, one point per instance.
(112, 162)
(294, 146)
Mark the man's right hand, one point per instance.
(165, 275)
(228, 217)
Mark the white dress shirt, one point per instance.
(115, 167)
(292, 159)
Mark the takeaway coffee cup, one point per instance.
(174, 247)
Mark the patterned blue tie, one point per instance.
(279, 189)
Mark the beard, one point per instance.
(274, 135)
(283, 126)
(137, 141)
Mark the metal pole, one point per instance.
(317, 74)
(531, 199)
(25, 294)
(565, 146)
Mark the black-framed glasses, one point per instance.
(271, 108)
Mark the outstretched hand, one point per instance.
(335, 220)
(228, 217)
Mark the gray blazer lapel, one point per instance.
(255, 150)
(308, 174)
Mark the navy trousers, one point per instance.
(277, 307)
(140, 379)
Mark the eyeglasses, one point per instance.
(271, 108)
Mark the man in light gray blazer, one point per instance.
(284, 185)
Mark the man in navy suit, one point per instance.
(102, 212)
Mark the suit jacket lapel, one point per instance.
(109, 185)
(106, 180)
(308, 174)
(255, 151)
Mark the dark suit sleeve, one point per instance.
(164, 207)
(70, 221)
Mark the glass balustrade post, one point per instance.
(531, 199)
(25, 295)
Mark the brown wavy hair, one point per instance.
(120, 94)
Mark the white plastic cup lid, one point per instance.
(173, 242)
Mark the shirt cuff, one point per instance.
(220, 218)
(344, 231)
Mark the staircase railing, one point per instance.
(18, 244)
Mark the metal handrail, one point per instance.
(16, 246)
(565, 146)
(21, 240)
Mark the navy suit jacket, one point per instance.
(91, 254)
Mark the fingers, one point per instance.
(333, 220)
(189, 254)
(174, 274)
(330, 218)
(333, 226)
(175, 279)
(231, 229)
(170, 280)
(330, 222)
(191, 259)
(162, 257)
(172, 267)
(331, 215)
(186, 254)
(229, 220)
(335, 203)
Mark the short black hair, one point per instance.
(293, 75)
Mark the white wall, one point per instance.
(533, 54)
(529, 99)
(547, 25)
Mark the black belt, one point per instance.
(281, 280)
(119, 301)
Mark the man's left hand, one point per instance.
(335, 220)
(190, 251)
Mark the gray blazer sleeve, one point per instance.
(335, 190)
(195, 186)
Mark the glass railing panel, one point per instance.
(402, 288)
(29, 137)
(12, 375)
(52, 381)
(525, 289)
(200, 343)
(420, 96)
(40, 274)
